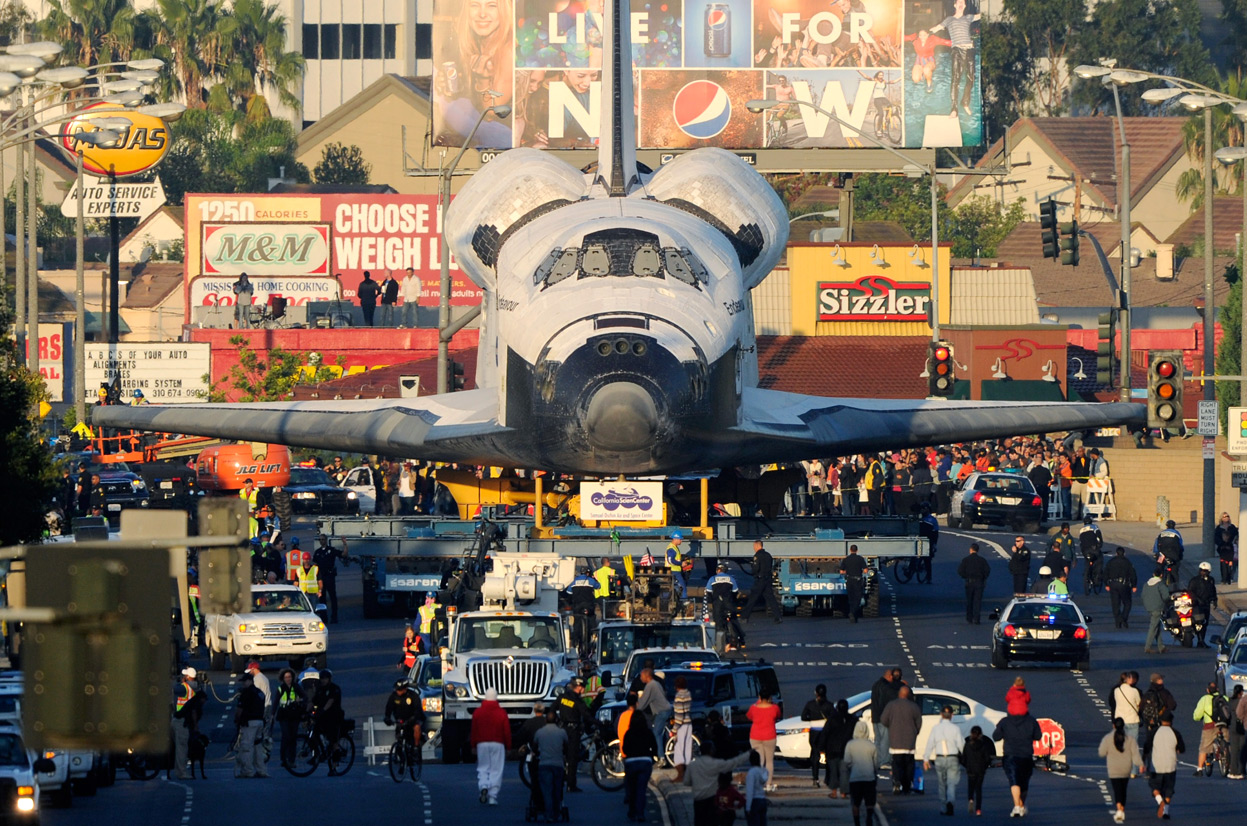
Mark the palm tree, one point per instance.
(1227, 130)
(193, 36)
(260, 61)
(92, 31)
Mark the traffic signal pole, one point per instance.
(1123, 296)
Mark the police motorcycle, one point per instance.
(1183, 618)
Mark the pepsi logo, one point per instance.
(717, 18)
(702, 109)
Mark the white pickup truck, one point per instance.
(20, 773)
(281, 625)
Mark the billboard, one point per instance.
(166, 373)
(901, 72)
(314, 246)
(616, 502)
(53, 339)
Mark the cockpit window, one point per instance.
(596, 260)
(621, 253)
(646, 261)
(677, 267)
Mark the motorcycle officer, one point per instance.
(1203, 591)
(1091, 543)
(721, 591)
(1168, 551)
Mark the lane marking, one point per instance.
(900, 633)
(995, 546)
(189, 801)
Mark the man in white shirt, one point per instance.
(944, 748)
(264, 742)
(412, 289)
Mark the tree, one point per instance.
(194, 39)
(879, 197)
(261, 65)
(260, 380)
(1227, 130)
(27, 475)
(1229, 352)
(342, 165)
(92, 31)
(14, 18)
(1006, 61)
(980, 224)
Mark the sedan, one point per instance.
(1233, 629)
(792, 742)
(312, 491)
(1041, 629)
(1232, 667)
(996, 499)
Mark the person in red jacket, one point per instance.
(1018, 698)
(491, 737)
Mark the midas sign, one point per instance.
(873, 298)
(144, 143)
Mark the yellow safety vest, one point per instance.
(674, 561)
(603, 576)
(428, 613)
(252, 501)
(308, 579)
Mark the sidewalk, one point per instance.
(795, 802)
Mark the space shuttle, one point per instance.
(617, 332)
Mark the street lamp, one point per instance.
(912, 168)
(444, 331)
(1115, 79)
(1230, 155)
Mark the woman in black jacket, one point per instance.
(639, 748)
(837, 732)
(819, 709)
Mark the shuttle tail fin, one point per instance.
(617, 169)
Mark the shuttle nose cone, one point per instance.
(621, 416)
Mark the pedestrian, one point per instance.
(763, 715)
(1059, 587)
(885, 690)
(639, 749)
(756, 780)
(1225, 540)
(853, 569)
(291, 704)
(1122, 758)
(721, 592)
(1017, 698)
(244, 294)
(1019, 733)
(367, 291)
(1153, 705)
(653, 703)
(249, 717)
(1122, 584)
(1238, 733)
(727, 801)
(550, 743)
(903, 719)
(412, 647)
(682, 718)
(719, 734)
(389, 299)
(1166, 746)
(944, 753)
(1155, 600)
(265, 740)
(975, 570)
(1124, 703)
(703, 776)
(188, 706)
(491, 738)
(977, 753)
(836, 734)
(1019, 565)
(862, 764)
(819, 708)
(1203, 590)
(1211, 712)
(575, 718)
(1044, 580)
(763, 587)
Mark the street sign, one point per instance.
(108, 200)
(1236, 431)
(1052, 742)
(144, 142)
(1238, 475)
(1208, 417)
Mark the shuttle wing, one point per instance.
(774, 424)
(452, 427)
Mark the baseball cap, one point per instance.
(253, 664)
(190, 672)
(1045, 571)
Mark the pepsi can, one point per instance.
(450, 71)
(718, 30)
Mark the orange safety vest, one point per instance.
(294, 561)
(190, 693)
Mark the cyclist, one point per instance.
(404, 710)
(1091, 543)
(1212, 711)
(327, 713)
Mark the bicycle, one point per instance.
(312, 749)
(406, 756)
(599, 758)
(1093, 576)
(890, 123)
(908, 567)
(1218, 755)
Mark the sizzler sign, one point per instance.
(873, 298)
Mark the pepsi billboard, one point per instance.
(902, 72)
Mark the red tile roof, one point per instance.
(841, 365)
(1227, 222)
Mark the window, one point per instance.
(351, 41)
(311, 41)
(389, 49)
(329, 43)
(722, 688)
(933, 704)
(372, 41)
(424, 41)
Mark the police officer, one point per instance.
(975, 570)
(325, 559)
(1091, 544)
(763, 587)
(853, 569)
(1168, 551)
(1203, 591)
(929, 529)
(1019, 565)
(583, 593)
(575, 718)
(404, 710)
(1122, 582)
(721, 592)
(675, 563)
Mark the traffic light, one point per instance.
(1050, 231)
(941, 378)
(1164, 389)
(455, 379)
(1069, 243)
(1106, 348)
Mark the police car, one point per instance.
(996, 499)
(1041, 628)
